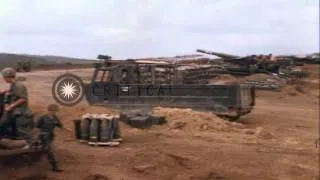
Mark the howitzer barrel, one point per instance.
(222, 55)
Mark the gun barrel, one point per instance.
(222, 55)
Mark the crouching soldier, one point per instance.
(44, 129)
(18, 116)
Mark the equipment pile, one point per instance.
(141, 121)
(98, 130)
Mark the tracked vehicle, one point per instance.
(145, 84)
(247, 65)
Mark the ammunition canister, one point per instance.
(116, 130)
(85, 129)
(95, 130)
(77, 128)
(105, 130)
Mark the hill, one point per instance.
(12, 60)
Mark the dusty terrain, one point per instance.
(275, 142)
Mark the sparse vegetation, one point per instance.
(24, 63)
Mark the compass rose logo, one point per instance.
(68, 89)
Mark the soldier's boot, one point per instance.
(54, 164)
(52, 159)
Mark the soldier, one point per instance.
(44, 129)
(16, 106)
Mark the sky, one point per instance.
(151, 28)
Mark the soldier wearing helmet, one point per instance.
(17, 89)
(44, 129)
(16, 106)
(8, 75)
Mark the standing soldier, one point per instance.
(44, 127)
(16, 106)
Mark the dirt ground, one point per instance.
(274, 142)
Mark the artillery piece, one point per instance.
(255, 64)
(142, 84)
(313, 58)
(222, 55)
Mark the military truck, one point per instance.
(140, 84)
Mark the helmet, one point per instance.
(53, 107)
(8, 72)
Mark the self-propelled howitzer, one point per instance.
(145, 84)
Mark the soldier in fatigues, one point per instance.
(44, 127)
(19, 117)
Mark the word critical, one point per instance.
(112, 90)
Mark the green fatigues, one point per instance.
(46, 124)
(20, 117)
(5, 124)
(19, 90)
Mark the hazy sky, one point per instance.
(140, 28)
